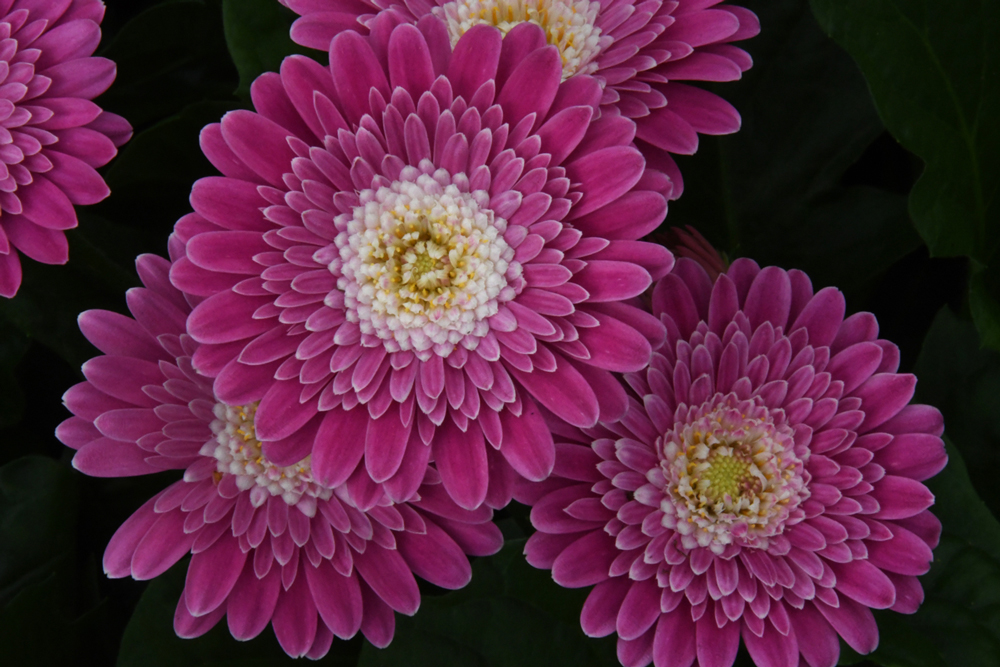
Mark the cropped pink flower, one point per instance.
(51, 135)
(269, 544)
(403, 258)
(640, 50)
(764, 483)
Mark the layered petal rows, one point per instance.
(268, 543)
(642, 52)
(765, 483)
(52, 136)
(412, 250)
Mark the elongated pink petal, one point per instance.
(527, 443)
(212, 575)
(461, 460)
(388, 576)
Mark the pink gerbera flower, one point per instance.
(269, 543)
(51, 135)
(639, 50)
(405, 257)
(765, 482)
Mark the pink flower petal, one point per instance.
(385, 445)
(337, 598)
(615, 346)
(356, 71)
(772, 649)
(564, 391)
(410, 64)
(461, 460)
(715, 646)
(280, 412)
(295, 619)
(251, 602)
(340, 444)
(854, 622)
(212, 575)
(527, 442)
(604, 176)
(599, 617)
(531, 86)
(674, 642)
(390, 578)
(260, 143)
(586, 561)
(110, 458)
(434, 556)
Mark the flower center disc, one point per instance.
(238, 453)
(568, 25)
(732, 475)
(424, 264)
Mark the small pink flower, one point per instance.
(764, 483)
(269, 543)
(51, 135)
(639, 50)
(405, 258)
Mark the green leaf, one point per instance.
(38, 512)
(13, 345)
(510, 615)
(168, 151)
(772, 191)
(963, 381)
(51, 297)
(37, 628)
(169, 56)
(257, 32)
(155, 171)
(934, 72)
(150, 641)
(984, 288)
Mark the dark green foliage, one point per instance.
(775, 191)
(934, 73)
(257, 35)
(510, 615)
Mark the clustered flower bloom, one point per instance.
(764, 483)
(52, 136)
(414, 293)
(413, 249)
(269, 543)
(640, 52)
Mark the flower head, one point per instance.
(51, 135)
(269, 543)
(764, 483)
(643, 53)
(405, 257)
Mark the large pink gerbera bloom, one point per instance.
(405, 257)
(765, 482)
(269, 543)
(639, 50)
(51, 135)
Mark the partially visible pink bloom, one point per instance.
(690, 243)
(404, 258)
(639, 50)
(51, 135)
(269, 544)
(765, 482)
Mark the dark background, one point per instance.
(816, 180)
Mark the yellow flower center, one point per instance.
(568, 25)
